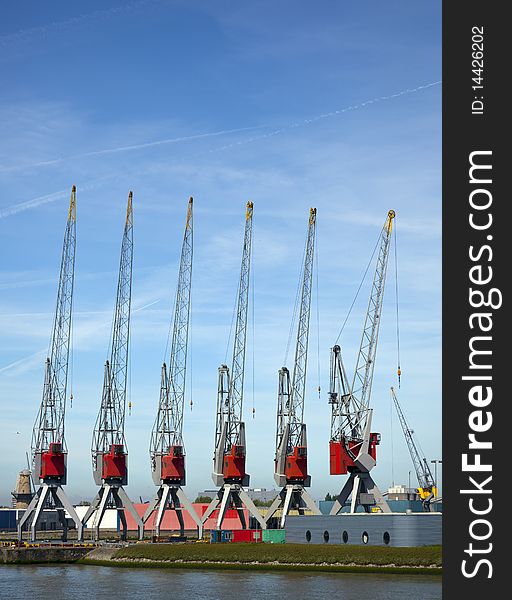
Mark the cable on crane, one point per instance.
(232, 322)
(358, 290)
(399, 371)
(295, 306)
(391, 436)
(71, 365)
(317, 322)
(191, 403)
(253, 329)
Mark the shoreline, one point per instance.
(263, 566)
(257, 557)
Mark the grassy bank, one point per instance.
(297, 557)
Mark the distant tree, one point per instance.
(203, 499)
(329, 498)
(262, 503)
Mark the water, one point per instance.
(80, 582)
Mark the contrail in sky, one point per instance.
(47, 199)
(327, 115)
(33, 360)
(12, 210)
(41, 30)
(16, 208)
(198, 136)
(54, 161)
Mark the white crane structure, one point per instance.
(230, 449)
(290, 464)
(352, 445)
(167, 450)
(49, 450)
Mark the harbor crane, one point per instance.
(230, 450)
(352, 445)
(427, 486)
(290, 464)
(167, 451)
(109, 450)
(48, 448)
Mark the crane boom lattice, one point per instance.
(230, 451)
(291, 471)
(49, 451)
(109, 451)
(352, 446)
(426, 484)
(166, 446)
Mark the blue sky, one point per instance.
(290, 104)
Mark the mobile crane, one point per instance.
(352, 445)
(167, 451)
(290, 464)
(49, 450)
(230, 449)
(427, 486)
(109, 450)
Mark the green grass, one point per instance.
(285, 554)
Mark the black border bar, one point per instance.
(477, 241)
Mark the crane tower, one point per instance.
(230, 450)
(167, 450)
(49, 451)
(352, 445)
(109, 451)
(291, 470)
(427, 486)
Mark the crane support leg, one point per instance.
(40, 502)
(362, 491)
(97, 507)
(235, 493)
(164, 500)
(172, 497)
(152, 505)
(34, 511)
(211, 508)
(66, 504)
(127, 504)
(290, 497)
(244, 497)
(240, 509)
(224, 503)
(286, 504)
(179, 512)
(119, 497)
(185, 502)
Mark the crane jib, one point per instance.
(350, 403)
(48, 443)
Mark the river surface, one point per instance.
(81, 582)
